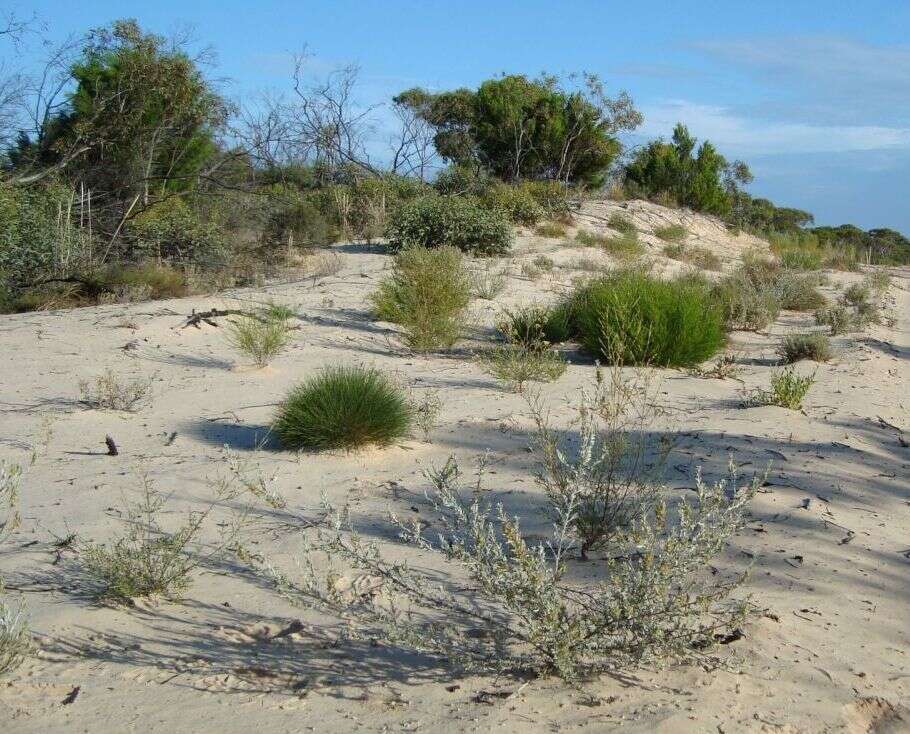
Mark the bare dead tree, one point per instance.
(411, 145)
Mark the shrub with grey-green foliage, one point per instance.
(529, 608)
(837, 318)
(814, 346)
(434, 221)
(427, 294)
(174, 231)
(516, 365)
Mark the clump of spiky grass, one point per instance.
(110, 392)
(814, 346)
(427, 294)
(344, 407)
(787, 390)
(516, 365)
(671, 233)
(261, 336)
(801, 259)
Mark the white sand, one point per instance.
(828, 538)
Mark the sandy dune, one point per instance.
(828, 539)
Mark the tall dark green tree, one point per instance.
(701, 179)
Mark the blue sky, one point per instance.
(813, 94)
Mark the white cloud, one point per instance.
(741, 136)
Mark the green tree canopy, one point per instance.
(521, 128)
(700, 179)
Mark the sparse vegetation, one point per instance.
(527, 612)
(344, 408)
(837, 318)
(108, 391)
(488, 283)
(261, 336)
(641, 320)
(814, 346)
(671, 233)
(551, 230)
(425, 411)
(613, 472)
(515, 364)
(15, 640)
(700, 257)
(621, 223)
(787, 390)
(427, 294)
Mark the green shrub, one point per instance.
(427, 294)
(462, 181)
(536, 327)
(787, 390)
(624, 247)
(293, 220)
(671, 233)
(551, 230)
(173, 231)
(814, 346)
(343, 407)
(514, 202)
(857, 294)
(630, 318)
(433, 221)
(621, 223)
(700, 257)
(516, 365)
(551, 196)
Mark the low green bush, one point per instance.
(516, 365)
(433, 221)
(173, 231)
(628, 317)
(514, 202)
(787, 390)
(536, 327)
(798, 292)
(427, 294)
(344, 407)
(745, 304)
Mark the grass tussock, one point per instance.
(344, 408)
(636, 319)
(536, 327)
(427, 294)
(621, 223)
(487, 283)
(108, 391)
(796, 347)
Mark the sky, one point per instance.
(813, 94)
